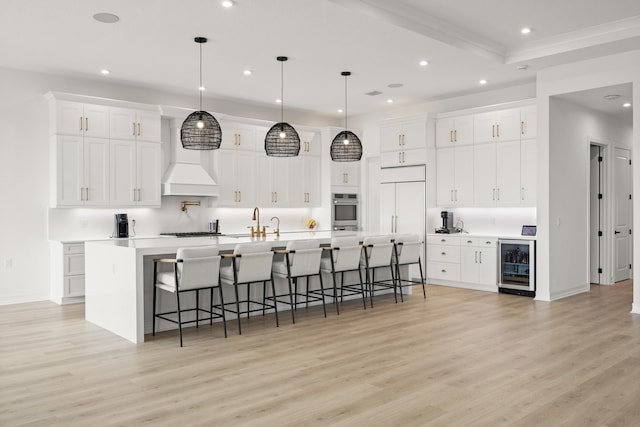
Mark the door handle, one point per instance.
(616, 232)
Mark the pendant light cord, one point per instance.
(346, 128)
(200, 89)
(281, 91)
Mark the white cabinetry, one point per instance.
(454, 131)
(135, 173)
(67, 272)
(305, 181)
(478, 261)
(240, 136)
(273, 185)
(497, 174)
(454, 176)
(403, 143)
(79, 172)
(528, 173)
(141, 125)
(75, 118)
(345, 176)
(503, 125)
(443, 258)
(236, 176)
(528, 123)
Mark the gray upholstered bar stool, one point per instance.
(377, 253)
(406, 251)
(194, 270)
(300, 258)
(343, 256)
(250, 264)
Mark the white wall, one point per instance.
(563, 170)
(28, 223)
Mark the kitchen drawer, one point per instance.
(73, 264)
(74, 286)
(443, 253)
(478, 241)
(443, 271)
(443, 239)
(73, 248)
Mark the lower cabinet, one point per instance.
(462, 261)
(67, 272)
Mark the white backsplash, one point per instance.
(486, 221)
(89, 224)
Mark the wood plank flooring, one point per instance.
(459, 358)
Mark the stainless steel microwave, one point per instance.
(345, 211)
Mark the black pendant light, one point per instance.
(200, 130)
(282, 140)
(346, 146)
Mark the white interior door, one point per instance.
(622, 215)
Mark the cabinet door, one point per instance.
(414, 135)
(463, 169)
(444, 132)
(310, 144)
(469, 264)
(463, 130)
(528, 122)
(445, 163)
(123, 172)
(508, 125)
(69, 118)
(410, 208)
(273, 181)
(391, 158)
(96, 121)
(345, 174)
(96, 171)
(304, 190)
(528, 172)
(227, 171)
(148, 125)
(246, 178)
(484, 128)
(487, 266)
(122, 123)
(413, 157)
(508, 173)
(390, 138)
(148, 173)
(69, 170)
(387, 207)
(484, 173)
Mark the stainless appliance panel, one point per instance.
(345, 211)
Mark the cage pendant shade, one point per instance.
(282, 140)
(346, 146)
(200, 130)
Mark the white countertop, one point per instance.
(484, 236)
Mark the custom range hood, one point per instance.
(185, 176)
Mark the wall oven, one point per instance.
(345, 211)
(517, 267)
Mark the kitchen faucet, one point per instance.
(256, 217)
(277, 230)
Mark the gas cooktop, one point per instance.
(192, 234)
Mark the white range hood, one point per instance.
(185, 175)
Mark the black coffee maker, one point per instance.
(447, 223)
(121, 225)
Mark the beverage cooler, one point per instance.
(517, 267)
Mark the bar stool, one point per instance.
(301, 258)
(407, 249)
(250, 264)
(377, 253)
(194, 269)
(343, 256)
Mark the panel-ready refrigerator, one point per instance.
(517, 266)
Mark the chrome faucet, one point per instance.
(277, 230)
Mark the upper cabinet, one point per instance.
(133, 124)
(104, 154)
(241, 136)
(404, 142)
(310, 144)
(454, 131)
(528, 122)
(76, 118)
(503, 125)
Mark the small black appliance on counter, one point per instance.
(121, 225)
(447, 223)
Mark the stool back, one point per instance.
(305, 257)
(347, 257)
(200, 267)
(408, 248)
(377, 250)
(254, 262)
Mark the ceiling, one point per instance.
(379, 41)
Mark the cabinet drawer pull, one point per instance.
(443, 253)
(443, 271)
(469, 241)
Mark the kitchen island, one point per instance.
(119, 275)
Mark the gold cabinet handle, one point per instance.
(134, 128)
(86, 123)
(450, 136)
(139, 129)
(498, 130)
(455, 135)
(81, 124)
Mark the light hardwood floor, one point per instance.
(460, 358)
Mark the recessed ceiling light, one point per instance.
(228, 3)
(340, 110)
(525, 30)
(105, 72)
(483, 82)
(389, 101)
(278, 101)
(202, 88)
(424, 63)
(106, 18)
(247, 72)
(626, 105)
